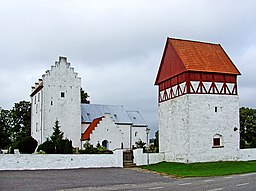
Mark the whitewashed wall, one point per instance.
(60, 161)
(247, 154)
(51, 106)
(141, 158)
(114, 134)
(188, 123)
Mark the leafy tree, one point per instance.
(20, 117)
(247, 128)
(27, 145)
(84, 97)
(5, 139)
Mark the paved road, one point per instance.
(118, 179)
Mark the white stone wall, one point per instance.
(247, 154)
(173, 128)
(36, 116)
(60, 161)
(60, 79)
(188, 123)
(141, 158)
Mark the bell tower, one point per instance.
(57, 97)
(198, 103)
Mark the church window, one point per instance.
(217, 141)
(135, 134)
(62, 94)
(216, 109)
(105, 144)
(36, 127)
(51, 102)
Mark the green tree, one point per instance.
(20, 117)
(247, 128)
(57, 134)
(27, 145)
(56, 144)
(5, 140)
(84, 97)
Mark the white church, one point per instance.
(57, 97)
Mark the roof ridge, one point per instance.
(96, 104)
(194, 41)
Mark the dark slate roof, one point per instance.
(89, 112)
(136, 118)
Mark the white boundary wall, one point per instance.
(247, 154)
(60, 161)
(141, 158)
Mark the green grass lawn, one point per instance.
(203, 169)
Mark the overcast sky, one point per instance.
(116, 45)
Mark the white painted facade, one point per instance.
(116, 135)
(57, 97)
(188, 124)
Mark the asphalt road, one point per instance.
(118, 179)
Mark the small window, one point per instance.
(62, 94)
(135, 134)
(51, 102)
(37, 127)
(38, 97)
(217, 141)
(216, 109)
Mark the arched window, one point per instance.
(217, 141)
(105, 144)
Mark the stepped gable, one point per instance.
(62, 63)
(92, 126)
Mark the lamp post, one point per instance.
(147, 132)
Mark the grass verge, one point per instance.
(203, 169)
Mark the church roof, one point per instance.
(185, 55)
(89, 112)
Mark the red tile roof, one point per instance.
(91, 127)
(186, 55)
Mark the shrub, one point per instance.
(47, 147)
(140, 144)
(64, 147)
(89, 149)
(27, 145)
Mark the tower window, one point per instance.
(216, 109)
(62, 94)
(51, 102)
(217, 141)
